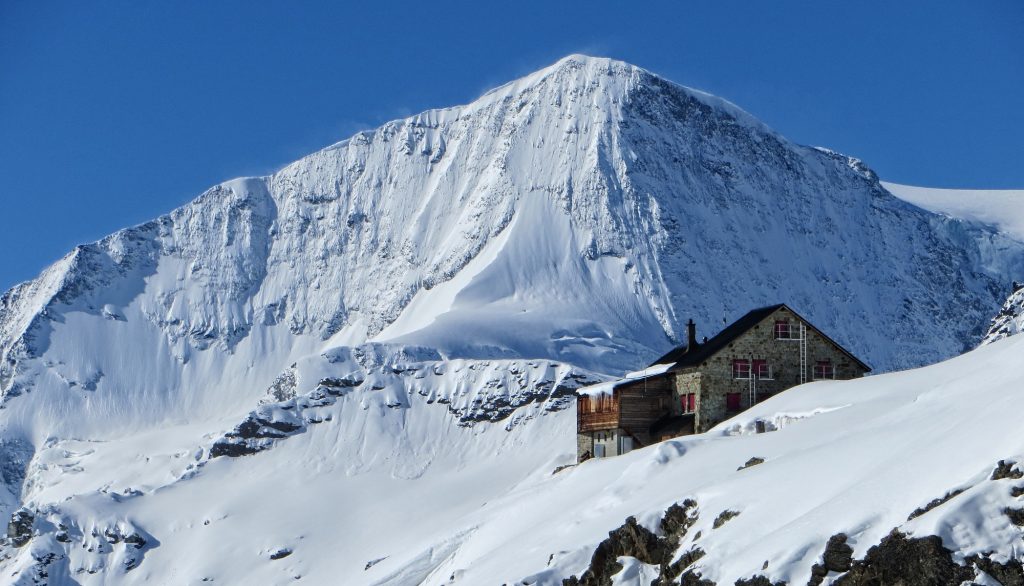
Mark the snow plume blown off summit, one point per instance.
(481, 258)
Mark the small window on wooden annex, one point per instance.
(732, 401)
(741, 368)
(824, 370)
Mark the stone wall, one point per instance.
(716, 380)
(584, 446)
(609, 439)
(688, 381)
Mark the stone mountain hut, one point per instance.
(698, 385)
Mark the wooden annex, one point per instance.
(698, 385)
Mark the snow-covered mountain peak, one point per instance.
(418, 302)
(580, 214)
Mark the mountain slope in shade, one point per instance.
(407, 312)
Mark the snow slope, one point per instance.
(856, 457)
(480, 505)
(1002, 209)
(392, 325)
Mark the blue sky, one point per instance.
(113, 113)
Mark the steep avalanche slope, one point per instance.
(580, 214)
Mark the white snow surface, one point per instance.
(403, 316)
(427, 500)
(1000, 208)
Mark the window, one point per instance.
(761, 369)
(689, 402)
(626, 445)
(782, 330)
(823, 369)
(732, 401)
(741, 368)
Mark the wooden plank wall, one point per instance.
(642, 403)
(596, 413)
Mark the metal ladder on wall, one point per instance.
(803, 353)
(752, 386)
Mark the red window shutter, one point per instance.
(741, 368)
(732, 401)
(691, 401)
(761, 368)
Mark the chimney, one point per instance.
(691, 335)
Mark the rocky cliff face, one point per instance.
(1010, 319)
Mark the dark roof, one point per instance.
(682, 357)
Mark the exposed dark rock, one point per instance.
(252, 435)
(1006, 469)
(694, 579)
(670, 572)
(752, 462)
(898, 560)
(939, 501)
(19, 529)
(1009, 574)
(500, 406)
(1017, 491)
(1016, 516)
(280, 553)
(678, 519)
(633, 540)
(348, 382)
(130, 563)
(838, 557)
(232, 450)
(758, 580)
(723, 518)
(135, 540)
